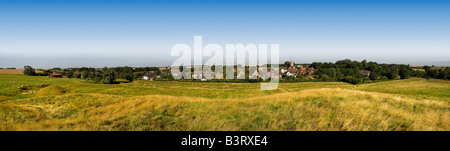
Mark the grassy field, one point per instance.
(40, 103)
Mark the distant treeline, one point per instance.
(103, 75)
(343, 70)
(352, 71)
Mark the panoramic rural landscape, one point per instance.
(247, 65)
(148, 99)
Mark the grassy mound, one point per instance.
(10, 115)
(314, 109)
(51, 90)
(412, 104)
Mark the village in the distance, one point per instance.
(354, 72)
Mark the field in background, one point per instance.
(40, 103)
(16, 71)
(11, 71)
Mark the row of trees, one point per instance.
(350, 71)
(105, 75)
(343, 70)
(442, 73)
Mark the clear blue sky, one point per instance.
(98, 33)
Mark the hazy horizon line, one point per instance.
(162, 66)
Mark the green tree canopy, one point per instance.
(109, 76)
(29, 71)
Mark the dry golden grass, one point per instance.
(316, 109)
(51, 90)
(11, 71)
(402, 105)
(16, 71)
(5, 98)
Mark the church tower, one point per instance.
(292, 63)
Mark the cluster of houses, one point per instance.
(292, 70)
(204, 75)
(150, 76)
